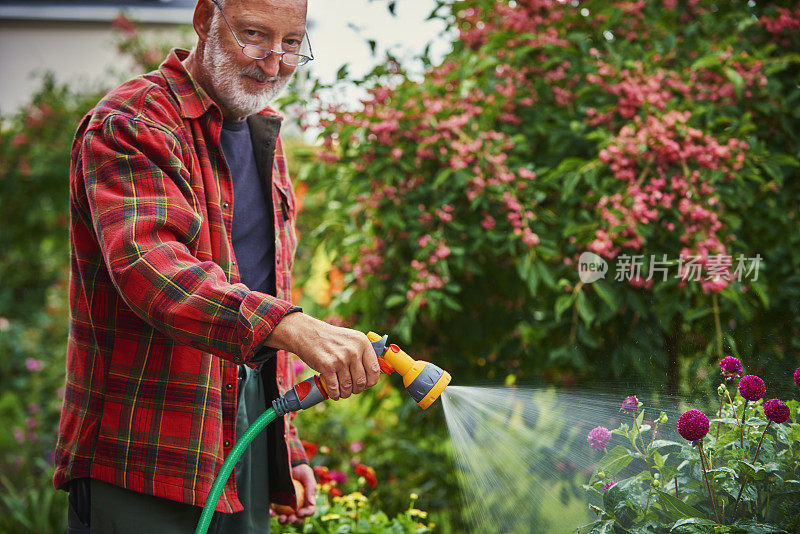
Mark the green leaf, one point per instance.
(585, 309)
(613, 462)
(609, 296)
(754, 527)
(563, 302)
(394, 300)
(665, 443)
(676, 508)
(698, 521)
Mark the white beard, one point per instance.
(226, 78)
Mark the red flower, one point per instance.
(368, 473)
(334, 492)
(693, 425)
(776, 411)
(323, 474)
(310, 448)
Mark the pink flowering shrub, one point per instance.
(458, 205)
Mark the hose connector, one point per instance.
(304, 395)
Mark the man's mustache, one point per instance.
(259, 75)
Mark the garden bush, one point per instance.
(654, 134)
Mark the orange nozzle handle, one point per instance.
(385, 367)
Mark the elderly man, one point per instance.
(182, 240)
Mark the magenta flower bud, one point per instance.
(693, 425)
(730, 367)
(598, 438)
(776, 411)
(608, 485)
(630, 404)
(752, 387)
(797, 377)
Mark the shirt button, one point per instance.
(229, 386)
(233, 262)
(225, 205)
(226, 443)
(244, 339)
(280, 381)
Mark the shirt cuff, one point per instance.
(262, 353)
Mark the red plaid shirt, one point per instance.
(158, 318)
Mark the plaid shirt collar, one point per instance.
(192, 98)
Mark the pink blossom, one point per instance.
(33, 365)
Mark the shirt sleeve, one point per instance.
(297, 453)
(145, 217)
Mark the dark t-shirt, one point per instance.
(254, 247)
(253, 224)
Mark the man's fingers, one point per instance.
(359, 376)
(345, 383)
(370, 361)
(332, 385)
(307, 511)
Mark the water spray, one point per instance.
(424, 381)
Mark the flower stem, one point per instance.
(676, 487)
(721, 402)
(641, 440)
(744, 416)
(744, 479)
(705, 476)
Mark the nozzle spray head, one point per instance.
(424, 381)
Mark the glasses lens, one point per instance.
(256, 52)
(292, 59)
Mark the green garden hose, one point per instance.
(424, 381)
(227, 467)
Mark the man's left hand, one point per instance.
(304, 474)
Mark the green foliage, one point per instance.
(450, 242)
(355, 513)
(752, 483)
(34, 193)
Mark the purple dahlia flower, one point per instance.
(797, 377)
(630, 404)
(752, 387)
(598, 438)
(730, 367)
(693, 425)
(776, 411)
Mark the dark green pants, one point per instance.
(97, 507)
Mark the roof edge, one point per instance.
(162, 15)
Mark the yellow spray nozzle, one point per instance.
(424, 381)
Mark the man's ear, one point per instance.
(203, 13)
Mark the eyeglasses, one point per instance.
(291, 59)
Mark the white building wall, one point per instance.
(82, 54)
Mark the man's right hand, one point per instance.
(344, 357)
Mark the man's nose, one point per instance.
(271, 65)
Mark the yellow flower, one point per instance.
(417, 513)
(330, 517)
(358, 496)
(414, 496)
